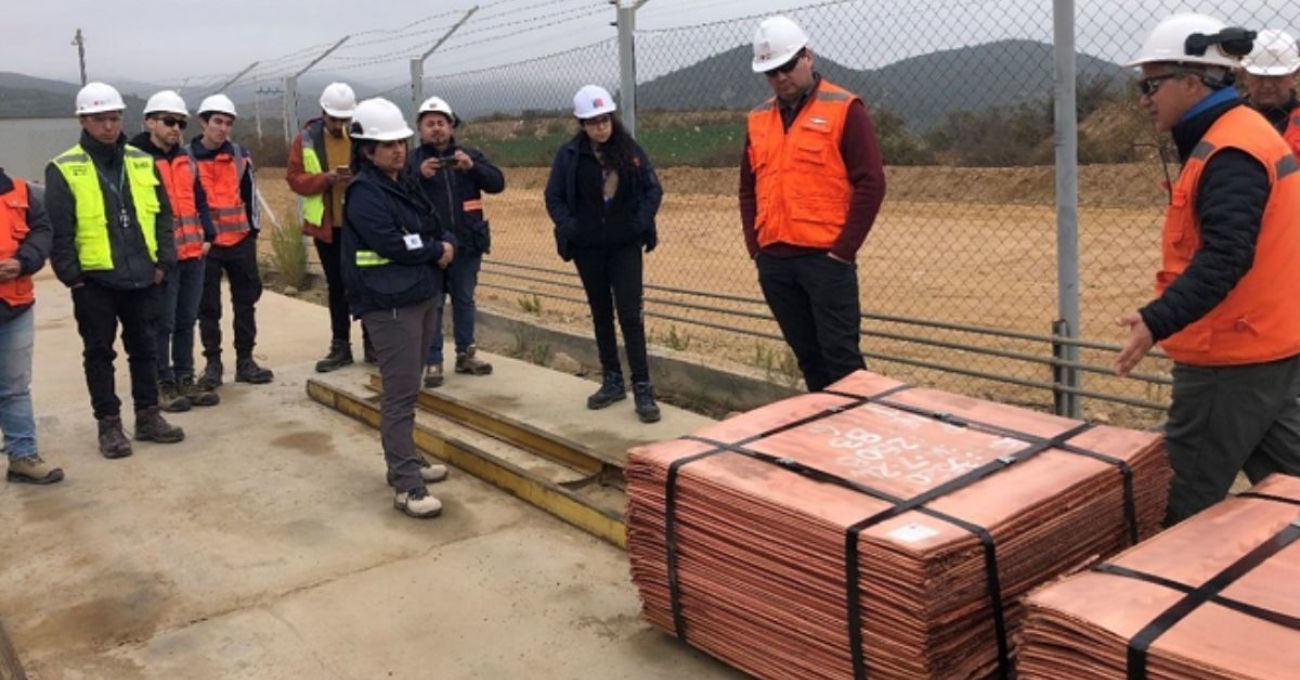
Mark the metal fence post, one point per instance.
(290, 108)
(626, 23)
(1067, 200)
(417, 65)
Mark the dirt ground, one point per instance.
(973, 247)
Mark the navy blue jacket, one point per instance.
(378, 213)
(643, 199)
(449, 191)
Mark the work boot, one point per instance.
(247, 371)
(197, 394)
(418, 503)
(150, 427)
(466, 362)
(340, 355)
(611, 390)
(32, 470)
(112, 440)
(433, 473)
(211, 378)
(433, 375)
(170, 399)
(643, 394)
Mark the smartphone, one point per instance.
(343, 170)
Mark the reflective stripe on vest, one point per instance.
(18, 291)
(312, 207)
(1292, 134)
(472, 205)
(221, 176)
(177, 176)
(369, 258)
(1256, 322)
(801, 183)
(93, 249)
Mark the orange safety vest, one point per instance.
(13, 229)
(1257, 322)
(187, 229)
(801, 183)
(220, 176)
(1292, 133)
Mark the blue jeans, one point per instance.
(16, 419)
(462, 279)
(183, 289)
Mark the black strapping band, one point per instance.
(852, 558)
(1139, 645)
(1125, 470)
(670, 493)
(1285, 620)
(1268, 497)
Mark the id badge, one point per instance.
(413, 241)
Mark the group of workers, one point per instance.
(142, 232)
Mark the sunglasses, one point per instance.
(172, 122)
(1148, 86)
(787, 66)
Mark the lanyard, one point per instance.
(123, 216)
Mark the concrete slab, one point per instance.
(557, 405)
(266, 546)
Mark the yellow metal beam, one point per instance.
(547, 495)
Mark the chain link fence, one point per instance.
(959, 277)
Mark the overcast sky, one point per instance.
(167, 43)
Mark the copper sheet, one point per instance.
(1080, 627)
(761, 557)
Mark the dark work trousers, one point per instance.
(98, 311)
(340, 320)
(239, 263)
(612, 280)
(182, 292)
(400, 337)
(1226, 419)
(815, 301)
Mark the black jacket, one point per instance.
(1230, 202)
(132, 268)
(35, 247)
(629, 218)
(449, 190)
(378, 213)
(1280, 117)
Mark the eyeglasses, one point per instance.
(598, 121)
(1149, 86)
(787, 66)
(174, 122)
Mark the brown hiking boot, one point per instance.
(466, 362)
(112, 440)
(170, 398)
(150, 427)
(197, 394)
(32, 470)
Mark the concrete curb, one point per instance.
(717, 388)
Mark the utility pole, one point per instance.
(79, 41)
(417, 65)
(625, 20)
(257, 106)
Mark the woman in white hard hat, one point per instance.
(603, 196)
(1270, 79)
(392, 248)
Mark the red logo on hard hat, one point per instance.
(597, 102)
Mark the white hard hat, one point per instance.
(338, 100)
(379, 120)
(592, 101)
(1275, 54)
(166, 101)
(437, 105)
(98, 98)
(218, 103)
(776, 41)
(1175, 39)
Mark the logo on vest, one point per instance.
(818, 121)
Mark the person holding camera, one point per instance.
(394, 250)
(454, 179)
(1225, 308)
(603, 196)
